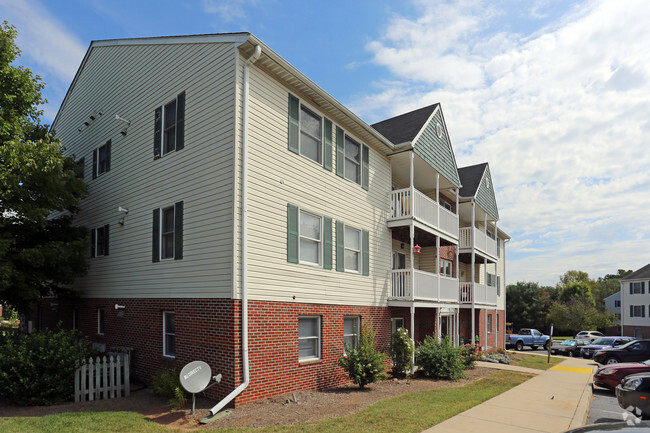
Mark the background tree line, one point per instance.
(575, 303)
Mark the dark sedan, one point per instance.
(603, 342)
(633, 394)
(638, 350)
(608, 376)
(568, 347)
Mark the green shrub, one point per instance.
(469, 355)
(363, 363)
(167, 384)
(439, 359)
(401, 351)
(38, 369)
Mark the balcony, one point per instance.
(480, 293)
(427, 286)
(424, 209)
(482, 242)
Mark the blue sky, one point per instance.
(554, 94)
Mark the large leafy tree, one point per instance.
(528, 305)
(41, 252)
(579, 313)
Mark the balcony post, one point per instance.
(411, 236)
(413, 337)
(438, 263)
(412, 185)
(472, 288)
(438, 199)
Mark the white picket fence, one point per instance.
(102, 378)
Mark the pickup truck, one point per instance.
(527, 337)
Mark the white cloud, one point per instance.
(561, 114)
(228, 10)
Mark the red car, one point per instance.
(608, 376)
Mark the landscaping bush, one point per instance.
(439, 359)
(469, 355)
(363, 363)
(38, 369)
(167, 384)
(401, 351)
(497, 357)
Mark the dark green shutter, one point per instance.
(340, 152)
(365, 252)
(92, 243)
(327, 243)
(106, 237)
(178, 231)
(293, 236)
(95, 164)
(108, 155)
(294, 124)
(643, 287)
(155, 244)
(157, 132)
(340, 246)
(365, 173)
(180, 121)
(631, 311)
(327, 145)
(631, 288)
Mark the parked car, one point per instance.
(568, 347)
(635, 350)
(601, 343)
(608, 376)
(589, 335)
(634, 392)
(527, 337)
(606, 427)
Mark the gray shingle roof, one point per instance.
(470, 178)
(642, 273)
(405, 127)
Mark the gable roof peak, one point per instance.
(643, 273)
(405, 127)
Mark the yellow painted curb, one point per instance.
(573, 369)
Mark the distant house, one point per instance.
(635, 303)
(613, 305)
(240, 215)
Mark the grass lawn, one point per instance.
(533, 361)
(407, 413)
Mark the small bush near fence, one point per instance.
(167, 384)
(439, 359)
(38, 369)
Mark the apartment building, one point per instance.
(240, 215)
(635, 317)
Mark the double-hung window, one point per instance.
(169, 334)
(99, 241)
(637, 288)
(446, 267)
(491, 280)
(168, 233)
(100, 321)
(352, 159)
(102, 159)
(352, 249)
(309, 238)
(310, 134)
(169, 126)
(395, 324)
(637, 310)
(351, 331)
(352, 168)
(308, 338)
(489, 323)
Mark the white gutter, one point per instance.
(244, 233)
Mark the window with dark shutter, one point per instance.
(340, 246)
(156, 236)
(178, 230)
(169, 127)
(327, 243)
(293, 234)
(327, 141)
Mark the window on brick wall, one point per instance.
(489, 323)
(308, 338)
(351, 332)
(100, 321)
(75, 319)
(169, 334)
(395, 324)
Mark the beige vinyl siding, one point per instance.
(427, 258)
(501, 267)
(277, 177)
(132, 81)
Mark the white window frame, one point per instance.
(636, 288)
(489, 323)
(347, 248)
(396, 259)
(357, 331)
(395, 324)
(317, 337)
(75, 319)
(165, 334)
(163, 233)
(319, 139)
(446, 267)
(638, 311)
(319, 241)
(445, 204)
(491, 280)
(164, 130)
(100, 252)
(347, 138)
(101, 321)
(617, 303)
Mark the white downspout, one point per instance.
(244, 233)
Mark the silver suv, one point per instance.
(589, 335)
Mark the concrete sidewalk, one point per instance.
(553, 401)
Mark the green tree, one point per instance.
(40, 251)
(576, 290)
(528, 304)
(574, 277)
(579, 313)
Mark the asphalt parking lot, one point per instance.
(605, 408)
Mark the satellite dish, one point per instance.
(195, 376)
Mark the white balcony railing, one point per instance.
(482, 242)
(424, 209)
(480, 293)
(428, 286)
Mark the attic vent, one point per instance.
(487, 182)
(439, 130)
